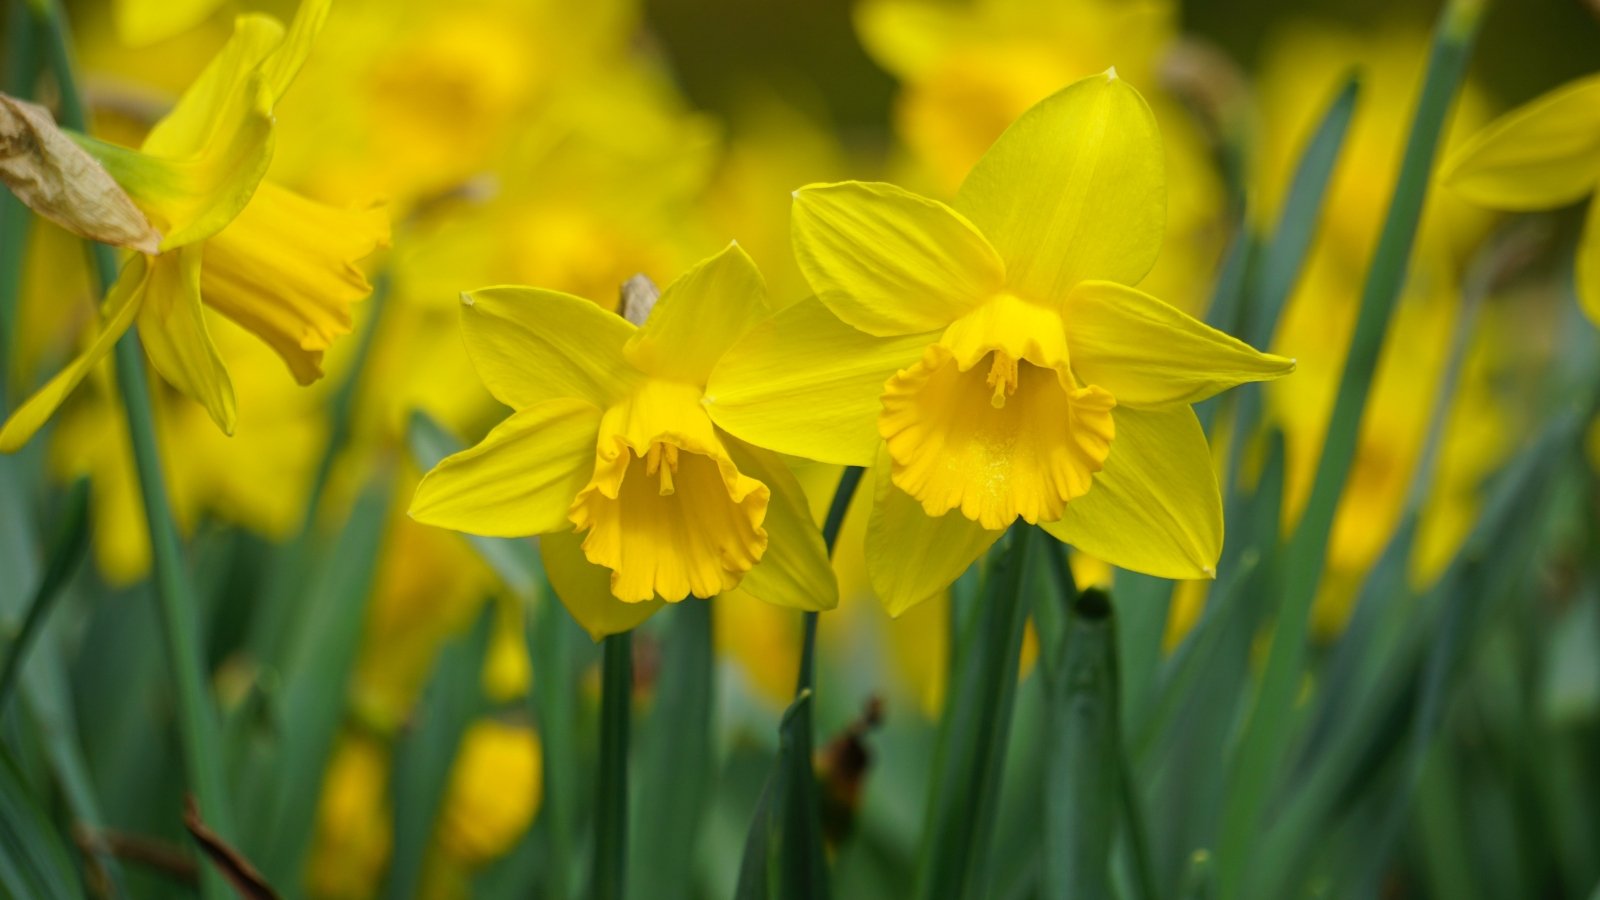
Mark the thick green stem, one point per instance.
(976, 731)
(197, 717)
(611, 802)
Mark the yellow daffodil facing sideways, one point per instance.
(993, 360)
(1540, 156)
(279, 264)
(611, 456)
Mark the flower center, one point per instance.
(667, 511)
(991, 421)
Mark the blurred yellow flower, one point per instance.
(279, 264)
(1542, 155)
(355, 830)
(609, 439)
(496, 786)
(942, 336)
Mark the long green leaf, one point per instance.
(423, 758)
(975, 731)
(34, 861)
(1083, 767)
(304, 715)
(66, 551)
(1263, 746)
(676, 753)
(608, 879)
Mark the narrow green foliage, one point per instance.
(676, 754)
(424, 757)
(307, 704)
(1258, 764)
(770, 869)
(1083, 765)
(34, 861)
(66, 551)
(975, 731)
(608, 878)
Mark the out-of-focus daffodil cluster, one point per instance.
(483, 566)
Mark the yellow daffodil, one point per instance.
(1540, 156)
(141, 22)
(279, 264)
(355, 828)
(610, 454)
(992, 359)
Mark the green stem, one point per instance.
(975, 732)
(197, 722)
(1083, 770)
(848, 482)
(611, 802)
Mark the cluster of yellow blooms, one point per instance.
(1000, 357)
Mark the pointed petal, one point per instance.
(585, 588)
(806, 384)
(286, 271)
(699, 316)
(912, 556)
(172, 327)
(122, 304)
(888, 261)
(518, 481)
(1147, 353)
(1074, 190)
(531, 345)
(1588, 263)
(795, 570)
(1541, 155)
(1155, 508)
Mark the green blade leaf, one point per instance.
(676, 754)
(422, 767)
(1257, 765)
(34, 861)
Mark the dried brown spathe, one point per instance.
(61, 182)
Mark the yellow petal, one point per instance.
(912, 556)
(122, 304)
(1543, 154)
(1074, 190)
(888, 261)
(699, 316)
(585, 588)
(794, 571)
(286, 271)
(1588, 263)
(806, 384)
(1147, 353)
(531, 345)
(172, 327)
(518, 481)
(668, 511)
(1155, 508)
(201, 163)
(143, 22)
(995, 440)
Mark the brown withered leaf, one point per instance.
(234, 867)
(61, 182)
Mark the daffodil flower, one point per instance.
(1540, 156)
(611, 457)
(992, 359)
(280, 265)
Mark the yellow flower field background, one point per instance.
(866, 448)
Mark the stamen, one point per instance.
(661, 452)
(1003, 378)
